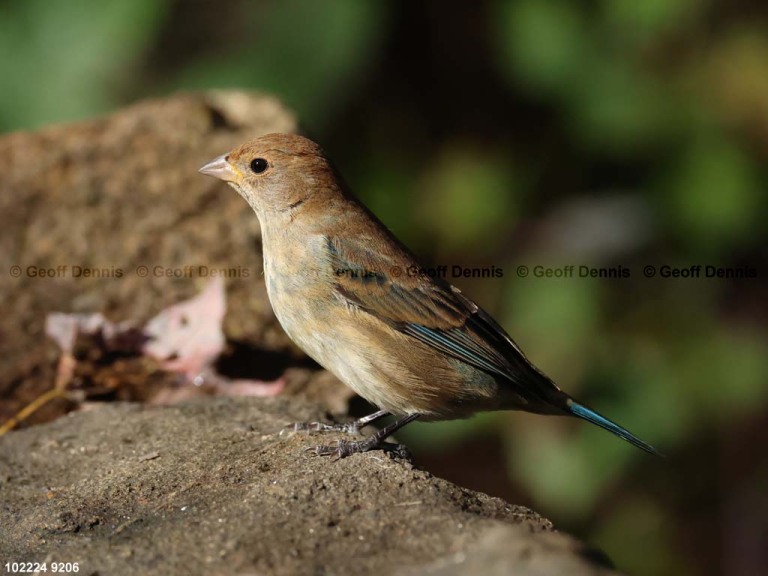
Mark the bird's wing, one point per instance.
(439, 315)
(431, 311)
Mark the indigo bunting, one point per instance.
(339, 283)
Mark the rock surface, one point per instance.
(212, 487)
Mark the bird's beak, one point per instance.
(220, 168)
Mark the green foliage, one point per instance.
(310, 53)
(715, 193)
(66, 60)
(645, 523)
(543, 44)
(468, 197)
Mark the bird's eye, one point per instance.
(259, 165)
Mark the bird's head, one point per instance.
(277, 173)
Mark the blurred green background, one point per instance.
(539, 132)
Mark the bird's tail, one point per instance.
(591, 416)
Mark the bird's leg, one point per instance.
(344, 448)
(348, 428)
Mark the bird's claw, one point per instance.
(349, 428)
(343, 448)
(339, 449)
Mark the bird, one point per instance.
(358, 302)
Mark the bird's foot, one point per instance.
(348, 428)
(344, 448)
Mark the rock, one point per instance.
(119, 197)
(212, 487)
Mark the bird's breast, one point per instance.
(300, 290)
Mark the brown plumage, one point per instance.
(350, 295)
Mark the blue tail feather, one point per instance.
(591, 416)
